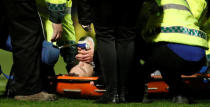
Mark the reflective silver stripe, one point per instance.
(153, 88)
(68, 10)
(184, 30)
(176, 6)
(72, 90)
(100, 90)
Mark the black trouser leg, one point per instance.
(26, 35)
(128, 63)
(107, 55)
(125, 46)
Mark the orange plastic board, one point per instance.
(79, 86)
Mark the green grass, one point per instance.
(6, 62)
(64, 102)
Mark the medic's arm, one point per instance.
(56, 10)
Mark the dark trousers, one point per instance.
(116, 51)
(21, 20)
(172, 67)
(115, 26)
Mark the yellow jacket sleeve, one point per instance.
(56, 10)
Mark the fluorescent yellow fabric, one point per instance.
(197, 7)
(68, 28)
(56, 1)
(183, 18)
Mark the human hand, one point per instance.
(57, 32)
(85, 55)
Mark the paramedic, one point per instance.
(179, 48)
(57, 20)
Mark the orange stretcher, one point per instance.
(198, 82)
(77, 86)
(81, 86)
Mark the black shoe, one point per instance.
(110, 96)
(182, 100)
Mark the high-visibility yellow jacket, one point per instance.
(57, 11)
(180, 23)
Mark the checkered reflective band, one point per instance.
(56, 7)
(184, 30)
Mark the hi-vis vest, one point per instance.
(180, 23)
(63, 6)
